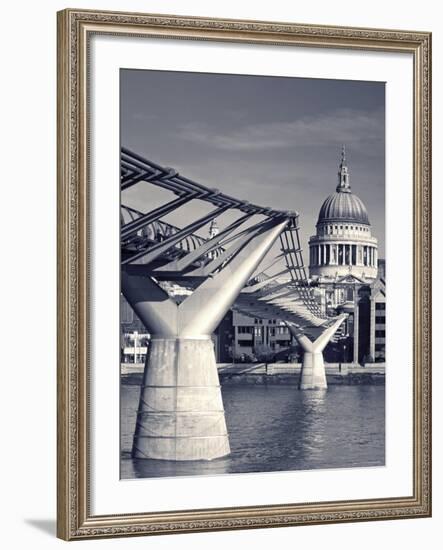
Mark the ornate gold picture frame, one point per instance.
(75, 31)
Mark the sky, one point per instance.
(274, 141)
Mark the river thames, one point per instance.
(278, 428)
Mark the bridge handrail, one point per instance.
(136, 169)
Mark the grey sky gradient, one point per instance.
(274, 141)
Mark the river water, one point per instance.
(278, 428)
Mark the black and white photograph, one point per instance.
(221, 260)
(253, 274)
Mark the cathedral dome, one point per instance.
(343, 205)
(343, 244)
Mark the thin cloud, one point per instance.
(361, 129)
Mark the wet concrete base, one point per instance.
(180, 415)
(313, 374)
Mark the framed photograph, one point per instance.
(243, 274)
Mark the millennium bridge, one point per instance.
(253, 264)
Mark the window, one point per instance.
(380, 334)
(380, 306)
(244, 343)
(380, 320)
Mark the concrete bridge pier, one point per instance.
(313, 373)
(181, 414)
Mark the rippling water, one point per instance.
(275, 428)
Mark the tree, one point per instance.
(264, 353)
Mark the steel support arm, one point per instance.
(201, 312)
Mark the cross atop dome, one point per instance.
(343, 174)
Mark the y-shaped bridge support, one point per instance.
(313, 374)
(181, 415)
